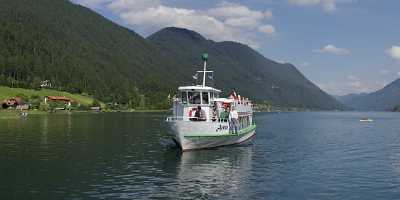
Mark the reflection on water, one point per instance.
(213, 173)
(107, 156)
(45, 127)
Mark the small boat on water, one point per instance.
(366, 119)
(201, 119)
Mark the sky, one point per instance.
(343, 46)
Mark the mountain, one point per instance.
(349, 97)
(80, 51)
(382, 100)
(239, 67)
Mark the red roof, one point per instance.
(58, 98)
(13, 101)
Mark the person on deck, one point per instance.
(200, 114)
(224, 114)
(234, 120)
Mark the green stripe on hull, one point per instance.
(241, 132)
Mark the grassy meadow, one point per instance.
(7, 92)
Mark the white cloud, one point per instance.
(163, 16)
(304, 2)
(398, 73)
(91, 3)
(358, 85)
(333, 50)
(305, 64)
(352, 78)
(383, 72)
(119, 6)
(224, 21)
(394, 52)
(237, 12)
(327, 5)
(267, 29)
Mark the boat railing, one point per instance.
(171, 119)
(222, 120)
(180, 118)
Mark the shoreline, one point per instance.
(16, 113)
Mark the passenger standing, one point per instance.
(234, 119)
(224, 114)
(200, 114)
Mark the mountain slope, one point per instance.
(349, 97)
(79, 51)
(382, 100)
(239, 67)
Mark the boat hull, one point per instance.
(203, 135)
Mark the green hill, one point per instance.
(239, 67)
(79, 51)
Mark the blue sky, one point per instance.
(344, 46)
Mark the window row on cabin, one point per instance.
(198, 97)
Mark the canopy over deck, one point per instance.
(224, 100)
(199, 88)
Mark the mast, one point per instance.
(204, 57)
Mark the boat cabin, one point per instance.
(191, 98)
(211, 105)
(198, 95)
(202, 103)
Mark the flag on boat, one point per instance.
(233, 94)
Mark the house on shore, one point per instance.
(67, 101)
(14, 102)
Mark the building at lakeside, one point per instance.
(13, 102)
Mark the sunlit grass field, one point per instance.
(7, 92)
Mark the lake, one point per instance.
(306, 155)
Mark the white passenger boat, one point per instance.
(209, 126)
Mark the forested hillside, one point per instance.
(79, 51)
(237, 66)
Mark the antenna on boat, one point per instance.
(205, 58)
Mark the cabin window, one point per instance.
(205, 97)
(184, 97)
(212, 95)
(194, 97)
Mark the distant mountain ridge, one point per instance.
(384, 99)
(239, 67)
(348, 97)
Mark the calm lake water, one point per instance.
(129, 156)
